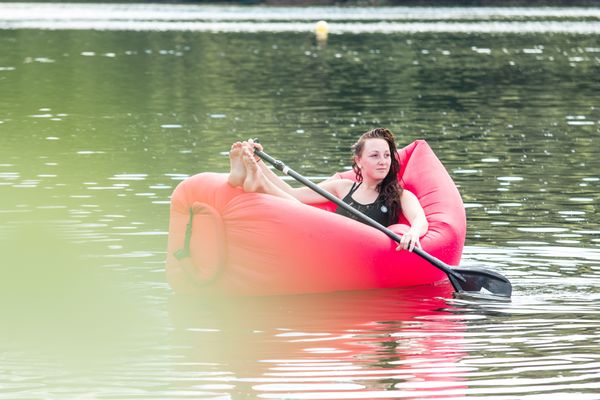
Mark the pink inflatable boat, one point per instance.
(223, 241)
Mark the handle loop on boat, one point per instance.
(185, 251)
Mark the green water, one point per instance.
(98, 126)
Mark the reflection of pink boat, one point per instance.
(253, 244)
(368, 344)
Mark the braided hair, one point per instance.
(388, 188)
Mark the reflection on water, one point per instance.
(324, 345)
(98, 127)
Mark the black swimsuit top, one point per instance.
(376, 210)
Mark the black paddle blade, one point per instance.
(482, 281)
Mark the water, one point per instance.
(105, 108)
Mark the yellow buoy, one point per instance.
(321, 31)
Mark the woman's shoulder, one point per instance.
(407, 194)
(339, 186)
(336, 180)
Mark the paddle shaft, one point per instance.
(279, 165)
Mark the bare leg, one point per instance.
(256, 181)
(237, 173)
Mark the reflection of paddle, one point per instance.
(463, 279)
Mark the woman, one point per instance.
(376, 192)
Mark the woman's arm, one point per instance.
(303, 194)
(273, 177)
(267, 172)
(414, 213)
(337, 187)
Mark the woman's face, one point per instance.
(375, 160)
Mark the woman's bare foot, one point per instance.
(253, 181)
(237, 173)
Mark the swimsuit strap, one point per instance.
(354, 187)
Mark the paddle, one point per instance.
(464, 280)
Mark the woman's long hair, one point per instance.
(388, 188)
